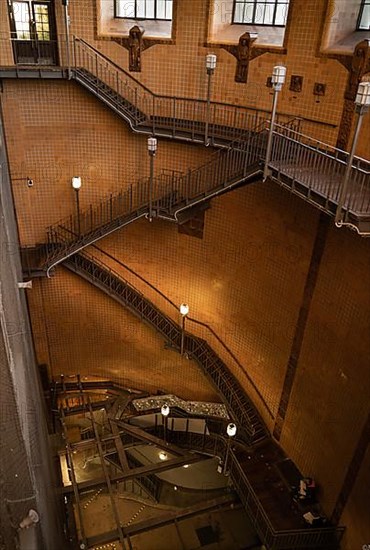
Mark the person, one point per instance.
(306, 489)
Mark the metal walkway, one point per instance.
(311, 169)
(165, 198)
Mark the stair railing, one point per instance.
(170, 195)
(215, 370)
(196, 327)
(161, 114)
(321, 168)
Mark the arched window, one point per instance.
(363, 23)
(256, 12)
(144, 9)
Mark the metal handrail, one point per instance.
(173, 116)
(294, 539)
(304, 139)
(170, 195)
(165, 96)
(320, 168)
(196, 322)
(115, 285)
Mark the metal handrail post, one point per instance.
(67, 23)
(339, 216)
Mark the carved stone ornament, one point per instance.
(244, 53)
(243, 56)
(360, 65)
(135, 44)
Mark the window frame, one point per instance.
(256, 2)
(116, 16)
(360, 13)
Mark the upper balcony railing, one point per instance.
(316, 170)
(172, 116)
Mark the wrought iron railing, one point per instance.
(324, 538)
(165, 196)
(232, 393)
(180, 117)
(317, 170)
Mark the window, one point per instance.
(144, 9)
(363, 23)
(21, 12)
(254, 12)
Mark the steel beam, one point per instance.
(142, 471)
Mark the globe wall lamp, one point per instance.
(184, 310)
(362, 104)
(211, 61)
(278, 79)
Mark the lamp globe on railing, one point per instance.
(152, 149)
(362, 100)
(76, 183)
(165, 410)
(231, 429)
(231, 432)
(184, 309)
(278, 77)
(211, 61)
(152, 145)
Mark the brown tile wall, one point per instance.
(63, 132)
(78, 329)
(245, 278)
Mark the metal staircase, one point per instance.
(241, 408)
(150, 113)
(311, 169)
(165, 197)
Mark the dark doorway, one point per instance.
(33, 32)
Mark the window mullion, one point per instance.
(254, 12)
(274, 16)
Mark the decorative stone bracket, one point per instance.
(136, 44)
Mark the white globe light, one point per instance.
(76, 182)
(152, 144)
(363, 94)
(211, 61)
(184, 309)
(162, 455)
(278, 77)
(231, 430)
(165, 410)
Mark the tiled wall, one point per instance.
(245, 278)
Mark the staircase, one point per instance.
(241, 408)
(160, 115)
(310, 169)
(165, 197)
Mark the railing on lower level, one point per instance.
(241, 408)
(323, 538)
